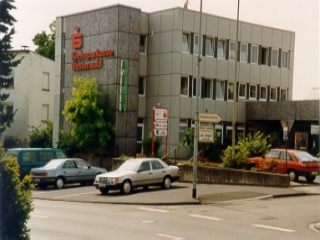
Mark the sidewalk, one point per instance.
(180, 193)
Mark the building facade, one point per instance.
(147, 60)
(31, 94)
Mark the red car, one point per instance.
(298, 163)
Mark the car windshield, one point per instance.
(54, 163)
(130, 165)
(304, 156)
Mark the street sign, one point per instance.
(160, 132)
(209, 117)
(314, 129)
(161, 125)
(160, 114)
(206, 132)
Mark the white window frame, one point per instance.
(183, 123)
(187, 43)
(274, 52)
(245, 91)
(184, 77)
(285, 64)
(210, 41)
(196, 43)
(221, 90)
(233, 90)
(210, 89)
(143, 49)
(256, 87)
(244, 55)
(224, 46)
(144, 87)
(233, 51)
(263, 87)
(256, 55)
(46, 81)
(276, 93)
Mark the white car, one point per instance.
(138, 172)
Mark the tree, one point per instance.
(7, 62)
(45, 42)
(87, 114)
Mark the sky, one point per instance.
(299, 16)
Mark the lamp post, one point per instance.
(196, 129)
(235, 92)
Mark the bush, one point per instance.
(68, 143)
(12, 142)
(41, 137)
(16, 206)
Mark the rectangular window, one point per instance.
(45, 113)
(206, 88)
(184, 86)
(244, 52)
(186, 43)
(219, 90)
(183, 126)
(209, 51)
(221, 54)
(143, 44)
(263, 93)
(45, 81)
(242, 91)
(142, 86)
(253, 92)
(283, 95)
(264, 56)
(230, 91)
(140, 133)
(196, 43)
(273, 94)
(285, 59)
(233, 50)
(254, 54)
(194, 87)
(274, 57)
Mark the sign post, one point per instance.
(159, 125)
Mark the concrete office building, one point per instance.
(153, 58)
(31, 94)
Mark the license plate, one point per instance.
(102, 185)
(36, 180)
(314, 173)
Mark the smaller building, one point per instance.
(31, 94)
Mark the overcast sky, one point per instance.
(300, 16)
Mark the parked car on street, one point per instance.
(139, 172)
(294, 162)
(58, 172)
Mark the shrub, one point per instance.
(16, 206)
(11, 142)
(41, 137)
(236, 161)
(68, 143)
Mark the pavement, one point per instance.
(179, 194)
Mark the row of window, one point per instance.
(224, 90)
(228, 50)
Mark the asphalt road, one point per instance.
(284, 218)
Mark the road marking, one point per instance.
(154, 210)
(72, 195)
(205, 217)
(169, 237)
(39, 216)
(149, 221)
(273, 228)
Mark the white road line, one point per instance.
(154, 210)
(205, 217)
(169, 237)
(72, 195)
(39, 216)
(273, 228)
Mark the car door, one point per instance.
(285, 162)
(144, 174)
(158, 171)
(70, 171)
(85, 171)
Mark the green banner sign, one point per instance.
(123, 100)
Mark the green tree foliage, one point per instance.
(41, 137)
(68, 143)
(7, 61)
(45, 42)
(15, 202)
(87, 114)
(252, 145)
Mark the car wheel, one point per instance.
(104, 191)
(166, 183)
(310, 179)
(126, 187)
(59, 182)
(293, 176)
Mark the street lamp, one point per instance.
(235, 92)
